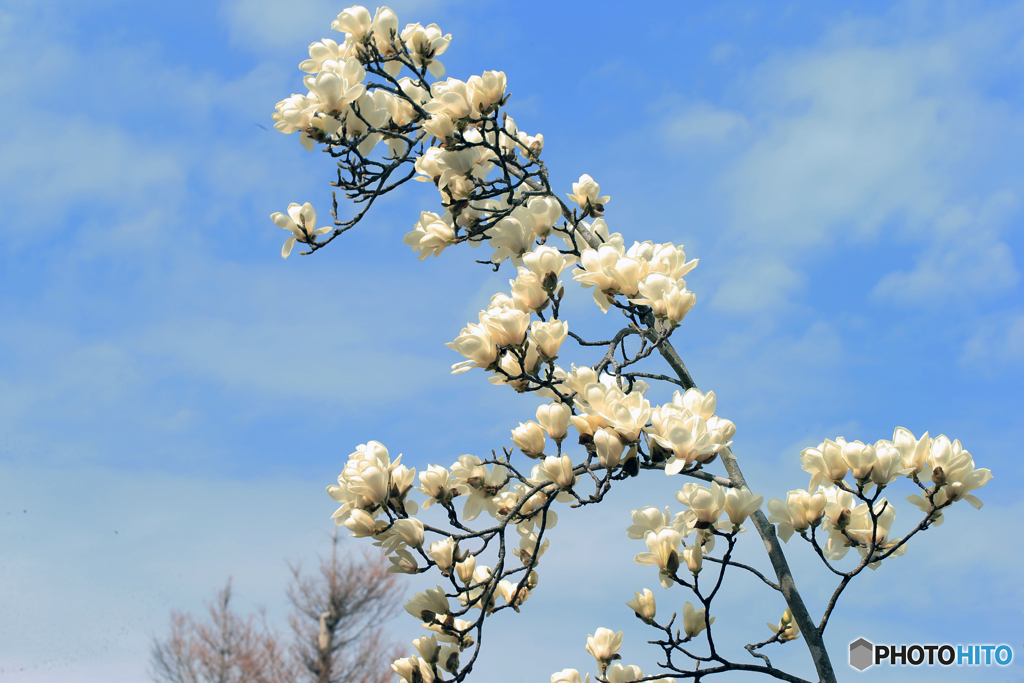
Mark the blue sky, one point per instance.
(174, 396)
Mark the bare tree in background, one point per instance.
(337, 618)
(223, 649)
(336, 625)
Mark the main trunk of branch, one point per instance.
(812, 636)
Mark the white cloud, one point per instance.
(279, 24)
(966, 258)
(997, 344)
(293, 24)
(756, 285)
(292, 360)
(105, 165)
(704, 123)
(852, 141)
(861, 141)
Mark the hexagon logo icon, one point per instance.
(861, 654)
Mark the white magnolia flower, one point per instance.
(507, 325)
(617, 673)
(666, 259)
(707, 504)
(476, 345)
(465, 569)
(604, 645)
(541, 213)
(320, 52)
(385, 30)
(548, 337)
(693, 556)
(425, 606)
(434, 484)
(786, 628)
(697, 402)
(413, 670)
(740, 503)
(559, 470)
(431, 234)
(428, 648)
(510, 239)
(598, 272)
(529, 438)
(479, 483)
(694, 620)
(488, 91)
(429, 166)
(534, 144)
(404, 532)
(544, 260)
(337, 85)
(402, 562)
(648, 519)
(362, 524)
(568, 676)
(609, 447)
(528, 549)
(663, 553)
(452, 98)
(554, 418)
(425, 45)
(824, 463)
(643, 604)
(528, 291)
(518, 370)
(442, 552)
(512, 594)
(888, 463)
(609, 406)
(799, 511)
(364, 483)
(669, 299)
(295, 113)
(915, 451)
(860, 458)
(953, 470)
(587, 193)
(685, 437)
(355, 21)
(440, 126)
(301, 221)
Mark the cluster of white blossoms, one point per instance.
(666, 535)
(946, 464)
(493, 188)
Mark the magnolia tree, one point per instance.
(379, 103)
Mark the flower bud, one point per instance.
(694, 558)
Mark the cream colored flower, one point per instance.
(529, 437)
(643, 604)
(548, 337)
(301, 222)
(694, 620)
(604, 646)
